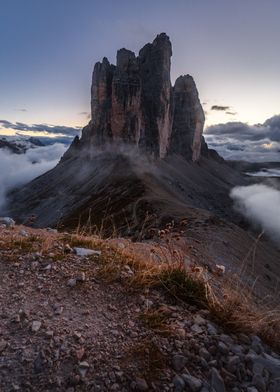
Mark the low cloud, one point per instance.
(259, 142)
(220, 108)
(17, 170)
(41, 128)
(260, 204)
(21, 110)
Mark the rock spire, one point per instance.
(133, 102)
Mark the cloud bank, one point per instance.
(41, 128)
(17, 170)
(237, 140)
(260, 204)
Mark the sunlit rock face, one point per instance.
(133, 102)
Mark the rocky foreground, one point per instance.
(75, 318)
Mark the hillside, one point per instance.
(125, 318)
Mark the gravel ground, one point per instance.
(64, 328)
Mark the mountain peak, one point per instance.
(133, 102)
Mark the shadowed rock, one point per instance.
(134, 103)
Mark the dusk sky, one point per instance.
(48, 49)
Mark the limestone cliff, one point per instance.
(134, 102)
(188, 120)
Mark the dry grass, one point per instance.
(156, 320)
(232, 305)
(237, 309)
(230, 301)
(83, 241)
(22, 244)
(148, 359)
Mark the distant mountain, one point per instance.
(19, 145)
(12, 147)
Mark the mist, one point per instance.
(18, 169)
(260, 204)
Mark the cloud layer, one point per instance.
(261, 205)
(237, 140)
(17, 170)
(41, 128)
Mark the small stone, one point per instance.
(199, 320)
(148, 303)
(178, 383)
(83, 252)
(204, 363)
(68, 249)
(50, 230)
(179, 362)
(80, 353)
(49, 334)
(196, 328)
(181, 333)
(23, 233)
(3, 345)
(83, 368)
(205, 354)
(193, 383)
(127, 271)
(36, 325)
(72, 282)
(223, 348)
(217, 382)
(8, 222)
(48, 267)
(226, 339)
(141, 384)
(219, 269)
(259, 382)
(81, 277)
(237, 349)
(84, 364)
(257, 345)
(233, 363)
(77, 335)
(58, 310)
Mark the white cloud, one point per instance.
(17, 170)
(261, 205)
(240, 141)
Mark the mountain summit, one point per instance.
(133, 102)
(142, 154)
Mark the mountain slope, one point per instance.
(113, 189)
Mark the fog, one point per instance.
(261, 205)
(265, 173)
(18, 169)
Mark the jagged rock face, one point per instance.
(101, 92)
(188, 119)
(126, 91)
(156, 95)
(134, 102)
